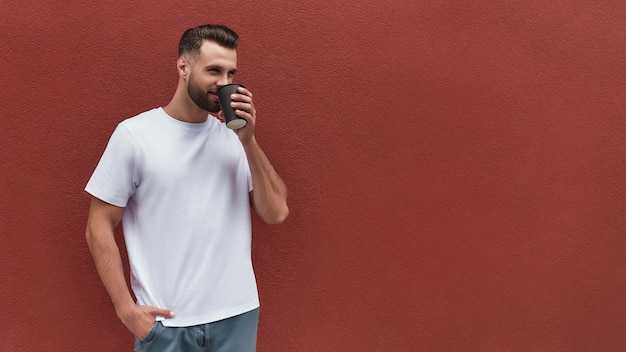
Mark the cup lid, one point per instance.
(230, 85)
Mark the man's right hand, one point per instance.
(140, 319)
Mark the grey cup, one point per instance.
(230, 118)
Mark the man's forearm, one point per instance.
(269, 196)
(108, 262)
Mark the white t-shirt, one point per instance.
(185, 188)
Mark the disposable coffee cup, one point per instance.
(230, 118)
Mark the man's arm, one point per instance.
(103, 219)
(269, 195)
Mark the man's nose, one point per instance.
(223, 81)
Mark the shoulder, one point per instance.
(143, 119)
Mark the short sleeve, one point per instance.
(244, 167)
(116, 177)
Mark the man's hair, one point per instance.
(192, 39)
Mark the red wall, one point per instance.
(456, 168)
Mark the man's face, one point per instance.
(214, 67)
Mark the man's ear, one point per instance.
(182, 65)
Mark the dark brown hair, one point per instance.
(192, 39)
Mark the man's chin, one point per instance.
(212, 107)
(209, 108)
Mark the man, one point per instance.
(182, 185)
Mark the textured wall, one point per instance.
(456, 168)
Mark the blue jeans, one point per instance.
(236, 334)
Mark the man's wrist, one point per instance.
(249, 142)
(124, 309)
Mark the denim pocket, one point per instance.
(152, 334)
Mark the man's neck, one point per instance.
(182, 108)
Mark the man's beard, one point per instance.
(201, 98)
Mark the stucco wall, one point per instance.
(456, 168)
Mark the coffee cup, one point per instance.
(230, 117)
